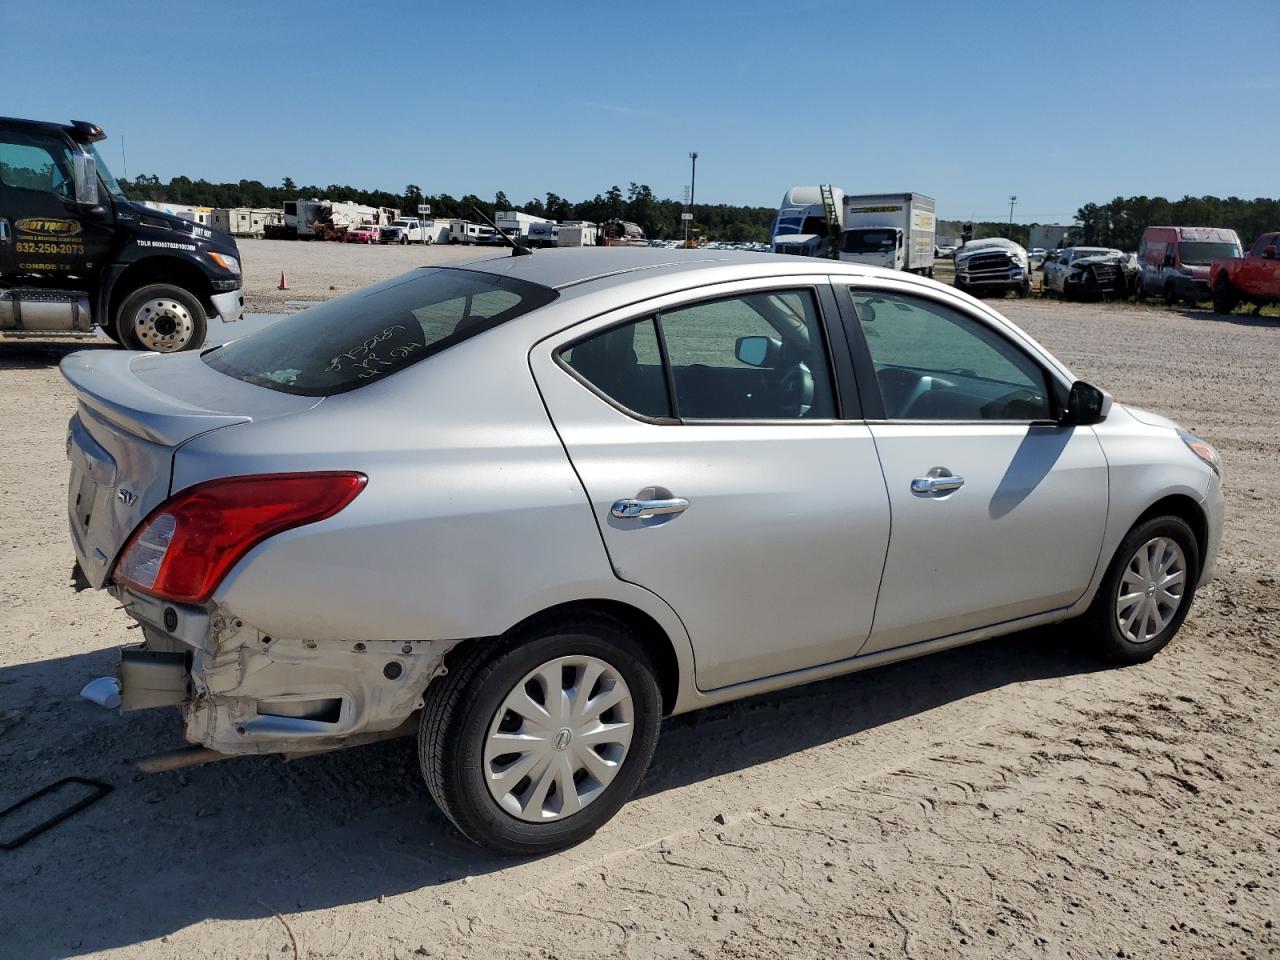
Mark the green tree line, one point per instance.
(657, 217)
(1120, 223)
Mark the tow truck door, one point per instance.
(51, 241)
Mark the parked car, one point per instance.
(1253, 278)
(993, 265)
(1092, 272)
(362, 233)
(542, 502)
(1175, 261)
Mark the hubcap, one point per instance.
(558, 739)
(1151, 590)
(163, 325)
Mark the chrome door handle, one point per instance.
(643, 509)
(936, 483)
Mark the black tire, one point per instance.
(1024, 291)
(1225, 298)
(403, 240)
(1101, 620)
(460, 707)
(1170, 297)
(180, 299)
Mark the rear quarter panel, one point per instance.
(472, 520)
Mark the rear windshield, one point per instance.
(375, 332)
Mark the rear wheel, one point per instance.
(1225, 298)
(1147, 590)
(1170, 296)
(532, 744)
(161, 317)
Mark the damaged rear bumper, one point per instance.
(243, 692)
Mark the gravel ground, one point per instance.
(1010, 799)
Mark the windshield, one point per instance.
(375, 332)
(869, 241)
(786, 225)
(105, 175)
(1082, 252)
(1198, 253)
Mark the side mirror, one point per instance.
(758, 351)
(1268, 253)
(85, 170)
(1086, 405)
(1168, 259)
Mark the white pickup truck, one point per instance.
(404, 230)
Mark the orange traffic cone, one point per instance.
(284, 285)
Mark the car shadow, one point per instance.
(1239, 319)
(251, 837)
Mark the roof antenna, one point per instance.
(518, 249)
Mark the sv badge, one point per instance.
(127, 497)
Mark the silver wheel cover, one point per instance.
(1151, 590)
(558, 739)
(163, 325)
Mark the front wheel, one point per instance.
(161, 317)
(1146, 592)
(531, 745)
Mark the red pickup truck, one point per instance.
(1253, 278)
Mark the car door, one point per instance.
(47, 240)
(998, 512)
(727, 470)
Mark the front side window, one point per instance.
(370, 334)
(933, 362)
(757, 356)
(37, 164)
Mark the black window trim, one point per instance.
(869, 385)
(830, 326)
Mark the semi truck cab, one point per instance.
(76, 253)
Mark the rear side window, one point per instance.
(375, 332)
(758, 356)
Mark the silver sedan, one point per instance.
(531, 505)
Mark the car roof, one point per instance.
(595, 268)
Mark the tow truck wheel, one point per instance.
(161, 317)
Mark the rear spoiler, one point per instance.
(105, 382)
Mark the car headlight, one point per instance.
(229, 264)
(1202, 449)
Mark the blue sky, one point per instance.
(1059, 103)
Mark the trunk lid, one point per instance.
(134, 411)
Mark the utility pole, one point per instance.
(124, 159)
(1012, 200)
(693, 180)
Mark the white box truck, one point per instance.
(893, 230)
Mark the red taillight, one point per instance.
(187, 544)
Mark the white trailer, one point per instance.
(516, 224)
(435, 231)
(245, 221)
(578, 233)
(200, 215)
(464, 231)
(544, 234)
(894, 230)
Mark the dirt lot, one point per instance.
(1011, 799)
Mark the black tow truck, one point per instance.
(76, 253)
